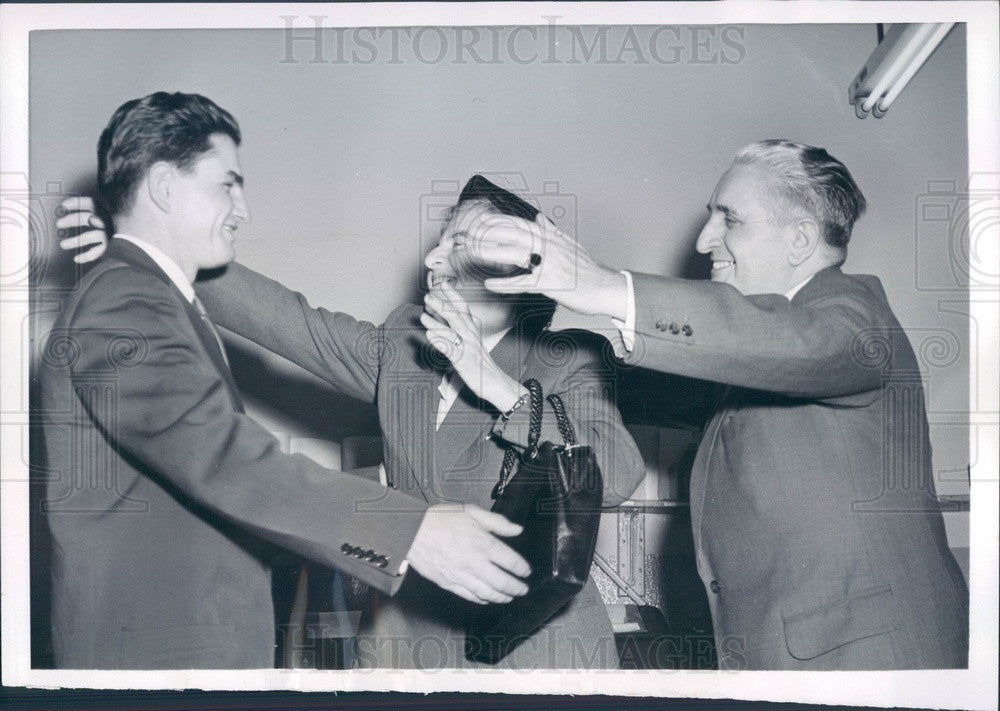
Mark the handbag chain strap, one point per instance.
(565, 426)
(534, 433)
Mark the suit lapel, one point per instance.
(411, 389)
(130, 254)
(417, 413)
(407, 403)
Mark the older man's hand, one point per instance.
(456, 547)
(78, 213)
(560, 267)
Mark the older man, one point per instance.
(166, 500)
(817, 531)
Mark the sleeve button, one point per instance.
(687, 330)
(347, 549)
(675, 329)
(661, 326)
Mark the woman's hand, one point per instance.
(78, 212)
(452, 330)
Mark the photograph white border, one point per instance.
(974, 688)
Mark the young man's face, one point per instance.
(746, 238)
(209, 205)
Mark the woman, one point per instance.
(447, 381)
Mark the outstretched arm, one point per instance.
(700, 329)
(173, 413)
(813, 347)
(335, 347)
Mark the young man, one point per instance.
(165, 498)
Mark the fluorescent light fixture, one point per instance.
(903, 50)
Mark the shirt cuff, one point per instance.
(627, 327)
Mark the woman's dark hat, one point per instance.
(503, 201)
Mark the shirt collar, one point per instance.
(798, 287)
(490, 342)
(168, 265)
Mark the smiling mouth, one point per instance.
(720, 264)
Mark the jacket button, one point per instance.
(687, 330)
(714, 586)
(675, 329)
(381, 561)
(661, 326)
(371, 556)
(347, 549)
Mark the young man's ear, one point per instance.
(159, 184)
(804, 240)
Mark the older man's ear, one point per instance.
(804, 241)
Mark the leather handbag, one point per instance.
(555, 494)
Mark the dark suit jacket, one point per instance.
(393, 366)
(818, 534)
(164, 497)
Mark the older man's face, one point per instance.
(744, 235)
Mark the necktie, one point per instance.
(200, 308)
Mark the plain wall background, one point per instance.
(338, 157)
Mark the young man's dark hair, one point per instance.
(175, 128)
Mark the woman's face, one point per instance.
(460, 269)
